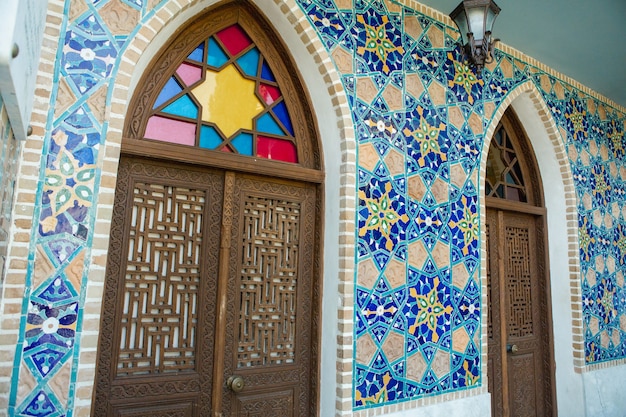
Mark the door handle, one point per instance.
(235, 383)
(512, 348)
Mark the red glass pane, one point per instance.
(169, 130)
(226, 149)
(269, 93)
(189, 73)
(276, 149)
(234, 39)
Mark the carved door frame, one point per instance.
(307, 173)
(498, 210)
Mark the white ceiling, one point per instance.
(583, 39)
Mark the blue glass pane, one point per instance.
(170, 90)
(267, 124)
(183, 107)
(280, 110)
(216, 57)
(266, 73)
(197, 53)
(243, 143)
(209, 138)
(250, 62)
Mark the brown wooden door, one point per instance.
(210, 276)
(519, 359)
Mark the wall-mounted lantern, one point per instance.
(475, 19)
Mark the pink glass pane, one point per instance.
(269, 93)
(226, 149)
(276, 149)
(234, 39)
(189, 73)
(173, 131)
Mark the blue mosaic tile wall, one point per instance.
(48, 348)
(419, 114)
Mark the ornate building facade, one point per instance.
(306, 207)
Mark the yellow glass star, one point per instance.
(228, 100)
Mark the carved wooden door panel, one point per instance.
(494, 365)
(158, 319)
(270, 298)
(210, 276)
(517, 353)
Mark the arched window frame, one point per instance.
(165, 63)
(527, 162)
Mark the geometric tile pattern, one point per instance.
(93, 36)
(417, 313)
(419, 115)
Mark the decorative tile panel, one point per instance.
(419, 115)
(427, 219)
(95, 34)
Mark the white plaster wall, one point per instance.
(604, 392)
(569, 384)
(474, 406)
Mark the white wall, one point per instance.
(604, 392)
(475, 406)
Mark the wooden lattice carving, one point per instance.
(160, 289)
(518, 279)
(212, 272)
(267, 320)
(159, 315)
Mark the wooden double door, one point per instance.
(209, 306)
(520, 353)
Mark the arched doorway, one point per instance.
(211, 302)
(520, 361)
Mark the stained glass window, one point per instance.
(224, 97)
(504, 177)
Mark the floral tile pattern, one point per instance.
(419, 115)
(50, 331)
(424, 220)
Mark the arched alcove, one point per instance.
(560, 203)
(337, 144)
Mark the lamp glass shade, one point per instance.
(476, 19)
(460, 18)
(492, 13)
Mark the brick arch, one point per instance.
(554, 167)
(338, 145)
